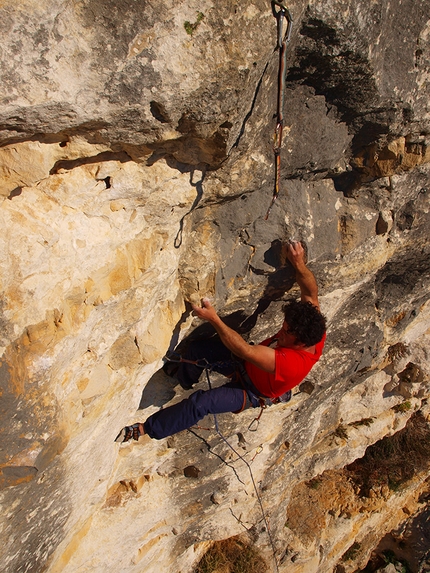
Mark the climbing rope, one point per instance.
(260, 502)
(204, 364)
(283, 17)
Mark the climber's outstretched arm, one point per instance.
(261, 356)
(305, 279)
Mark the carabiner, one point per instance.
(283, 12)
(176, 357)
(280, 4)
(289, 19)
(172, 357)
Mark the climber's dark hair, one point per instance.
(304, 321)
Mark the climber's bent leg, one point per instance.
(227, 398)
(214, 351)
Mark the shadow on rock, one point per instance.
(158, 391)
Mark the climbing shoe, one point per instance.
(283, 398)
(130, 432)
(286, 397)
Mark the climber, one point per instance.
(260, 374)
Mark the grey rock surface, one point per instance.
(136, 170)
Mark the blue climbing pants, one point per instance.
(234, 396)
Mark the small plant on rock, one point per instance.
(403, 407)
(191, 28)
(314, 483)
(398, 350)
(352, 552)
(341, 432)
(390, 557)
(232, 555)
(394, 460)
(363, 422)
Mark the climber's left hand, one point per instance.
(206, 311)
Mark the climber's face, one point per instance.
(285, 338)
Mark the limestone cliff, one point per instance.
(136, 170)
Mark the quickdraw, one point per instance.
(282, 15)
(176, 357)
(253, 426)
(201, 362)
(257, 451)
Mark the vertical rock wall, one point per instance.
(136, 169)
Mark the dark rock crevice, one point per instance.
(249, 114)
(69, 164)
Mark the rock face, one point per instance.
(136, 168)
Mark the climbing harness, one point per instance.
(207, 367)
(283, 16)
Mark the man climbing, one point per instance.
(259, 373)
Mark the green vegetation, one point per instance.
(394, 460)
(352, 552)
(191, 28)
(398, 350)
(363, 422)
(403, 407)
(390, 557)
(314, 483)
(387, 556)
(341, 432)
(231, 556)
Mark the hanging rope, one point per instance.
(203, 363)
(218, 431)
(283, 17)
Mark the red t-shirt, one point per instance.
(291, 367)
